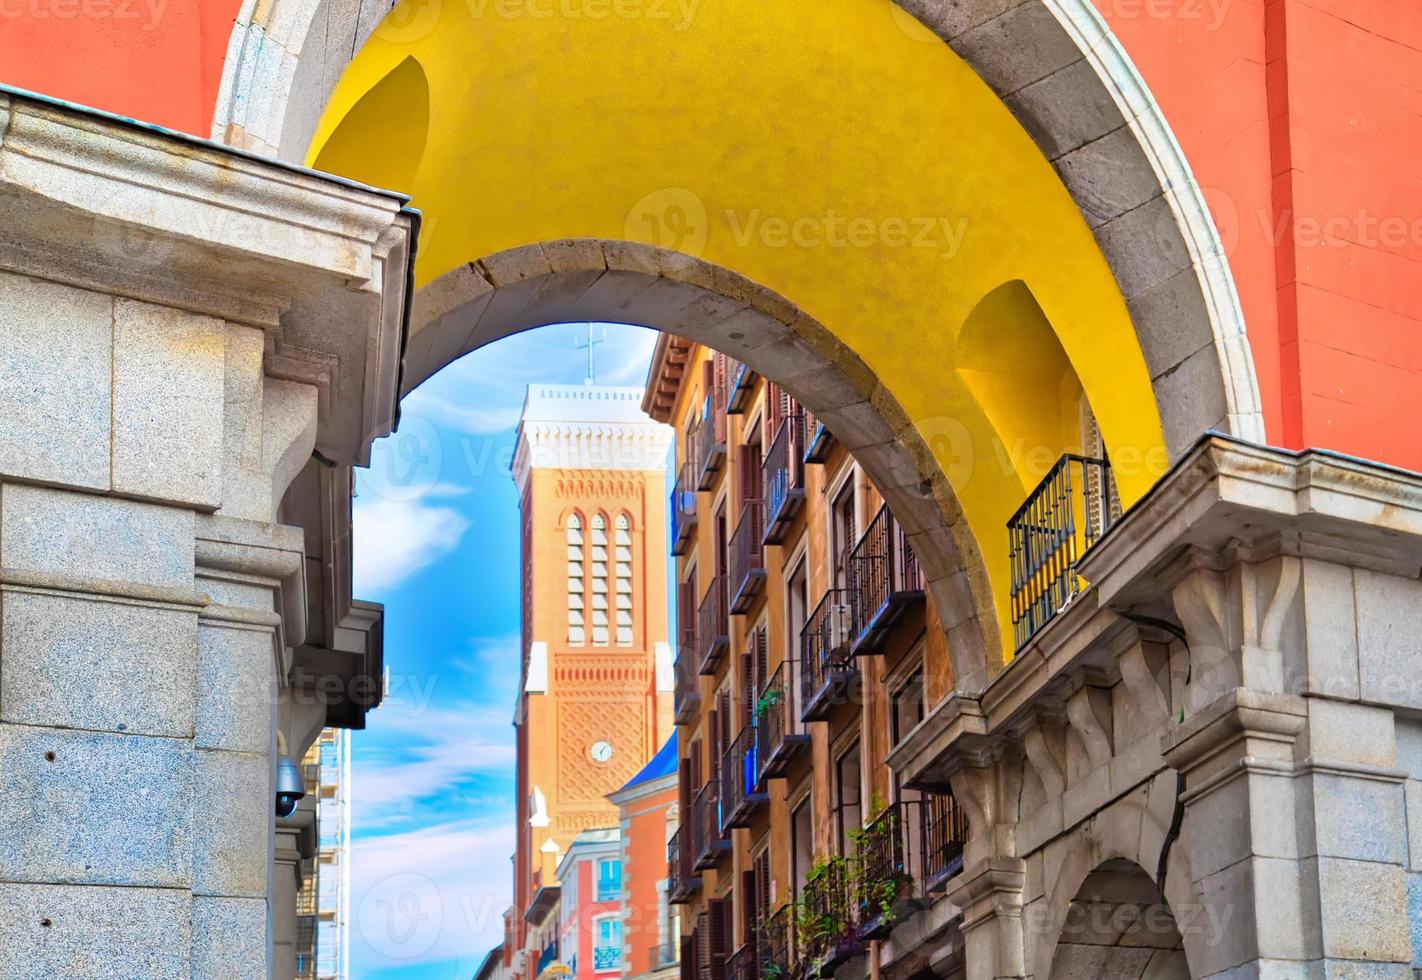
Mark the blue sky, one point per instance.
(436, 540)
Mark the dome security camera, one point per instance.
(289, 786)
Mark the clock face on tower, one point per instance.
(600, 751)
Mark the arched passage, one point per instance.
(1119, 927)
(864, 179)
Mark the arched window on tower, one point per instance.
(576, 635)
(599, 580)
(622, 562)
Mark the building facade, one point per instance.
(807, 649)
(595, 699)
(650, 817)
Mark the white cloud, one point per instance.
(431, 895)
(393, 539)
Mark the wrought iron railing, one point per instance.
(1064, 515)
(885, 577)
(687, 697)
(827, 665)
(743, 964)
(776, 944)
(747, 557)
(607, 957)
(682, 879)
(881, 866)
(783, 476)
(683, 510)
(710, 837)
(818, 440)
(739, 778)
(663, 955)
(944, 826)
(742, 385)
(713, 625)
(777, 725)
(827, 929)
(707, 440)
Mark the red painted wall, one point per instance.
(155, 60)
(1302, 120)
(1303, 123)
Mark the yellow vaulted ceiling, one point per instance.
(833, 151)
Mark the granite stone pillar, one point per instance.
(181, 331)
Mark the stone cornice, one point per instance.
(321, 264)
(603, 446)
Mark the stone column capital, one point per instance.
(1240, 724)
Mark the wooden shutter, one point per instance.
(715, 744)
(719, 926)
(704, 957)
(686, 620)
(750, 910)
(693, 758)
(761, 641)
(688, 956)
(750, 471)
(748, 689)
(773, 415)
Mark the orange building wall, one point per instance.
(644, 867)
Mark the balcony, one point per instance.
(607, 958)
(743, 964)
(827, 667)
(662, 955)
(683, 511)
(783, 477)
(739, 777)
(777, 726)
(828, 905)
(887, 581)
(709, 839)
(819, 440)
(713, 626)
(682, 880)
(687, 697)
(747, 558)
(707, 442)
(742, 387)
(883, 882)
(1066, 514)
(944, 832)
(775, 944)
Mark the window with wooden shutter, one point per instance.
(693, 758)
(760, 649)
(686, 621)
(751, 459)
(688, 956)
(760, 891)
(720, 923)
(750, 910)
(704, 944)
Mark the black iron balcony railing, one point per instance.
(783, 477)
(739, 779)
(882, 876)
(886, 580)
(827, 666)
(743, 964)
(775, 944)
(713, 626)
(682, 880)
(707, 440)
(747, 558)
(1068, 511)
(687, 697)
(683, 510)
(818, 440)
(742, 386)
(710, 837)
(827, 933)
(944, 833)
(777, 725)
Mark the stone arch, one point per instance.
(1117, 845)
(1119, 927)
(589, 279)
(1114, 152)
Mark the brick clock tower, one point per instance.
(595, 702)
